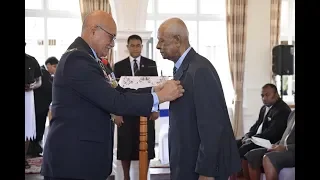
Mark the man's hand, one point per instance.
(154, 116)
(158, 87)
(246, 140)
(171, 90)
(32, 86)
(205, 178)
(278, 148)
(118, 120)
(26, 87)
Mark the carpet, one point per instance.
(35, 165)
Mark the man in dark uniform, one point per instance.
(32, 81)
(129, 126)
(43, 98)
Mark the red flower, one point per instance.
(104, 61)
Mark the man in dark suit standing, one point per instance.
(201, 141)
(79, 144)
(270, 125)
(129, 126)
(43, 98)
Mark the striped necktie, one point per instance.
(135, 67)
(174, 70)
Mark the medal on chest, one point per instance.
(110, 77)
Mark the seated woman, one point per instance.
(281, 155)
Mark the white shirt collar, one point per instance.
(132, 63)
(137, 58)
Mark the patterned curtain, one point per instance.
(275, 14)
(236, 35)
(87, 6)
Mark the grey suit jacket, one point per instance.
(201, 139)
(289, 134)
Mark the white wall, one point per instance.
(258, 57)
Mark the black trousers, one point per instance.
(50, 178)
(244, 148)
(34, 146)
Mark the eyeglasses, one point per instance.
(113, 36)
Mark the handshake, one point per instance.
(169, 91)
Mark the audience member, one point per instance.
(43, 98)
(32, 82)
(281, 155)
(271, 123)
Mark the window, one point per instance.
(33, 4)
(34, 36)
(51, 26)
(174, 6)
(60, 38)
(212, 7)
(287, 34)
(150, 25)
(63, 5)
(150, 6)
(207, 33)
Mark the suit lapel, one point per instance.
(185, 64)
(127, 69)
(142, 64)
(142, 67)
(265, 117)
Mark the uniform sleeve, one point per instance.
(37, 69)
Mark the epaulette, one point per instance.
(70, 50)
(76, 49)
(28, 56)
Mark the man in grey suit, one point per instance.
(281, 155)
(202, 145)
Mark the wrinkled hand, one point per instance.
(279, 148)
(158, 87)
(171, 90)
(118, 120)
(205, 178)
(154, 116)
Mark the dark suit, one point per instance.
(42, 98)
(201, 140)
(279, 160)
(274, 124)
(79, 144)
(128, 133)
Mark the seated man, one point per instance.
(271, 123)
(281, 155)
